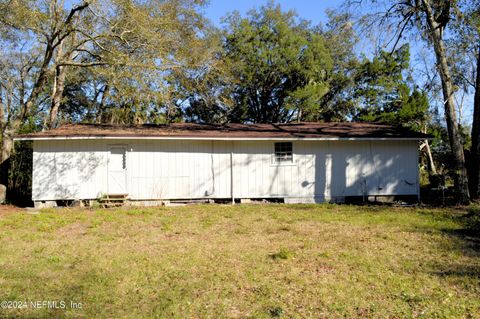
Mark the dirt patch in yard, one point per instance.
(8, 209)
(72, 230)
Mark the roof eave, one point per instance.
(386, 138)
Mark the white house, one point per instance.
(296, 162)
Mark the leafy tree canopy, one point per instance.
(280, 63)
(384, 95)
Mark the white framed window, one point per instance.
(283, 153)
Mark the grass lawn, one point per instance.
(259, 261)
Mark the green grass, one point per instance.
(258, 261)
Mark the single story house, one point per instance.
(295, 163)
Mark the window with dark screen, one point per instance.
(283, 152)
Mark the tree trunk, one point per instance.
(7, 146)
(6, 149)
(459, 168)
(475, 150)
(57, 94)
(3, 120)
(100, 116)
(58, 86)
(431, 163)
(426, 145)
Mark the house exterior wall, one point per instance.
(192, 169)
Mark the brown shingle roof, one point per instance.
(307, 130)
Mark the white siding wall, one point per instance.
(167, 169)
(68, 169)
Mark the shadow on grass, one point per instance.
(460, 271)
(467, 242)
(469, 233)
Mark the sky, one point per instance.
(313, 10)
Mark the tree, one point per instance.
(380, 85)
(130, 45)
(467, 74)
(475, 149)
(429, 19)
(203, 93)
(338, 103)
(281, 65)
(384, 94)
(23, 89)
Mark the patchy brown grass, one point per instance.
(322, 261)
(8, 209)
(74, 230)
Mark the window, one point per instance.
(283, 153)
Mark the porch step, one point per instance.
(113, 200)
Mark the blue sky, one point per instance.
(313, 10)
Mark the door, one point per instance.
(117, 170)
